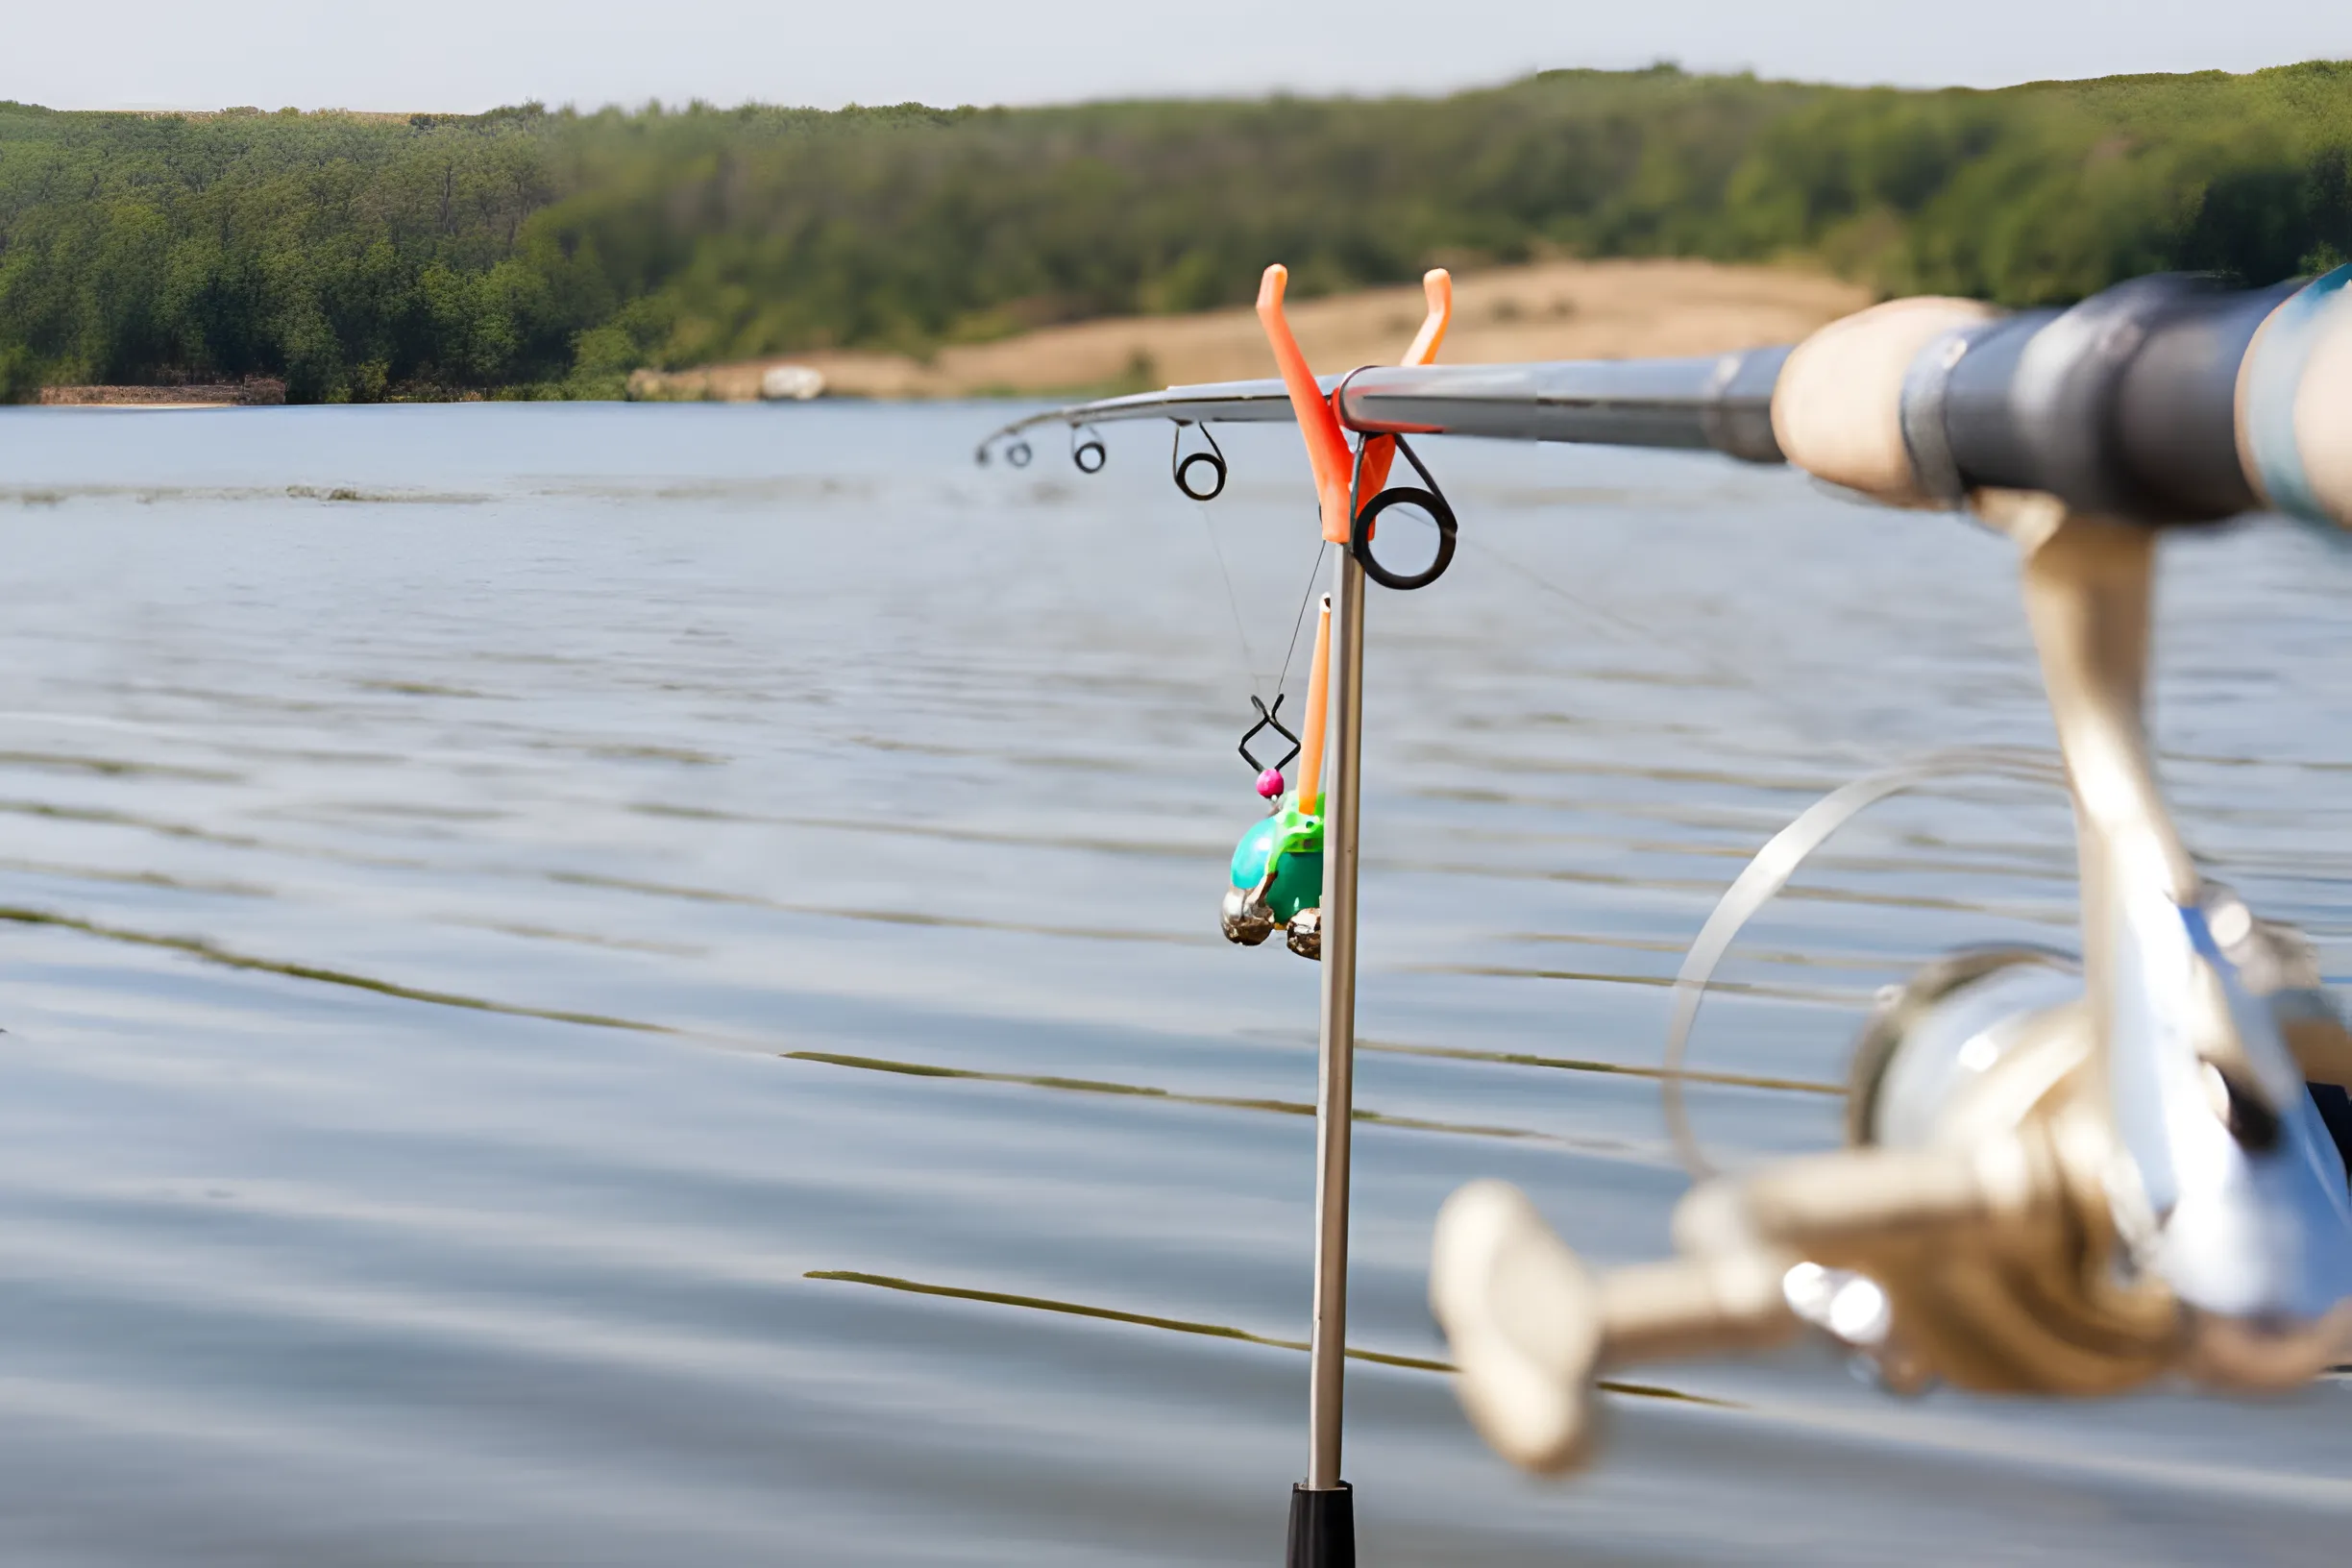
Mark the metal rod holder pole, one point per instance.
(1322, 1515)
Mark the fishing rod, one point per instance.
(2063, 1174)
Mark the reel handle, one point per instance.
(1867, 1207)
(1533, 1327)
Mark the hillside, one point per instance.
(527, 253)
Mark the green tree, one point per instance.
(525, 250)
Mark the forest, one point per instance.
(538, 253)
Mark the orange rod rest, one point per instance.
(1327, 448)
(1436, 287)
(1318, 698)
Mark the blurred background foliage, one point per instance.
(529, 253)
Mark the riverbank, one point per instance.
(262, 392)
(1552, 310)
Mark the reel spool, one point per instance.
(1994, 1044)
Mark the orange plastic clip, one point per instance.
(1327, 448)
(1319, 700)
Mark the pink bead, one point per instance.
(1270, 783)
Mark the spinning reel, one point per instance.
(2059, 1178)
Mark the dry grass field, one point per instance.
(1551, 310)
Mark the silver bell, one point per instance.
(1246, 919)
(1306, 933)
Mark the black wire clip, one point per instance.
(1268, 718)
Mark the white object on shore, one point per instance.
(792, 384)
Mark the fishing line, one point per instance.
(1233, 602)
(1268, 717)
(1597, 612)
(1651, 636)
(1314, 573)
(1770, 870)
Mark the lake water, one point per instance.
(639, 985)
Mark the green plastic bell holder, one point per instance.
(1280, 860)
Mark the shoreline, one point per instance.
(260, 392)
(140, 408)
(1614, 309)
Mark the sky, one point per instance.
(464, 56)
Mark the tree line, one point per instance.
(534, 252)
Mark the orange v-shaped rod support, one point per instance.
(1327, 448)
